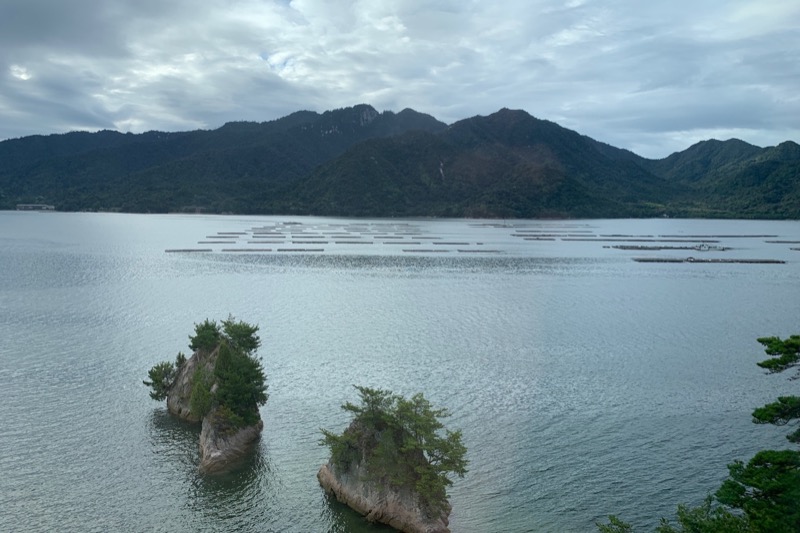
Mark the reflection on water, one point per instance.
(232, 496)
(173, 441)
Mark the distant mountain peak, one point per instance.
(507, 112)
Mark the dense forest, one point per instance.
(359, 162)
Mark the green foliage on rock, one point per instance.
(237, 373)
(161, 377)
(241, 335)
(401, 442)
(206, 336)
(226, 421)
(202, 399)
(241, 383)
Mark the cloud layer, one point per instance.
(653, 77)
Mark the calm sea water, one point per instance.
(585, 383)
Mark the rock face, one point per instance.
(221, 445)
(378, 502)
(181, 390)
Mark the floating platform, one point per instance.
(699, 248)
(718, 236)
(696, 241)
(696, 260)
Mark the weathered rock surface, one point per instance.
(378, 502)
(181, 390)
(221, 446)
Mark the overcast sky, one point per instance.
(650, 76)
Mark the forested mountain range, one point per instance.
(358, 162)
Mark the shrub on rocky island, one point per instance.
(396, 450)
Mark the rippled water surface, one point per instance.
(585, 383)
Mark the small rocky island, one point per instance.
(221, 386)
(392, 464)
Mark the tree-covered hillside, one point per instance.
(358, 162)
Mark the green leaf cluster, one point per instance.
(785, 353)
(161, 377)
(767, 489)
(706, 518)
(206, 336)
(241, 336)
(202, 399)
(239, 376)
(241, 383)
(402, 442)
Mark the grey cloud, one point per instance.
(643, 75)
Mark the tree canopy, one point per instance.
(402, 442)
(162, 376)
(238, 374)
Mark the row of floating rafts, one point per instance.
(260, 250)
(700, 243)
(707, 260)
(699, 247)
(267, 235)
(707, 243)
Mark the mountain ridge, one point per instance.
(356, 161)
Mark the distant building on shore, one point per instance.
(35, 207)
